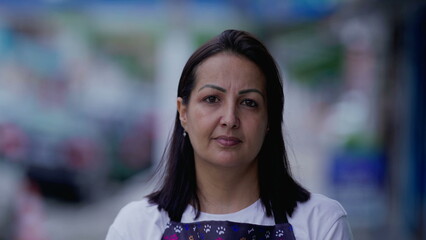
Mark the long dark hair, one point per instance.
(279, 192)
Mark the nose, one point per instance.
(230, 117)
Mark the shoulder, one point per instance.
(320, 218)
(138, 220)
(320, 206)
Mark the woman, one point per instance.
(227, 174)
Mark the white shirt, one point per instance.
(318, 218)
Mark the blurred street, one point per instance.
(88, 98)
(91, 220)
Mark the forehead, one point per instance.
(229, 69)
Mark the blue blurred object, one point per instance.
(359, 168)
(277, 11)
(414, 197)
(358, 182)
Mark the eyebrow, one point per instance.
(251, 90)
(224, 90)
(212, 86)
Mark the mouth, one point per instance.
(227, 141)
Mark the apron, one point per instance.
(226, 230)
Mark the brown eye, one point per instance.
(249, 103)
(211, 99)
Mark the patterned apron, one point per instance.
(226, 230)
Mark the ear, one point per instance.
(181, 107)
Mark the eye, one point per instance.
(249, 103)
(211, 99)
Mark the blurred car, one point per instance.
(66, 158)
(74, 159)
(71, 155)
(69, 169)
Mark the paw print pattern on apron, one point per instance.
(225, 230)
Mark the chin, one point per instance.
(231, 162)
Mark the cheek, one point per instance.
(259, 130)
(201, 121)
(259, 123)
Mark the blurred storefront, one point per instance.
(87, 95)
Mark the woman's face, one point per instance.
(226, 117)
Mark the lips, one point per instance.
(227, 141)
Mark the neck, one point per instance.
(227, 190)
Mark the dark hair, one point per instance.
(279, 192)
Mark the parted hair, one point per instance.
(279, 192)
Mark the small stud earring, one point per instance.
(184, 133)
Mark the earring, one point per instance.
(184, 133)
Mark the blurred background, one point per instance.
(87, 98)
